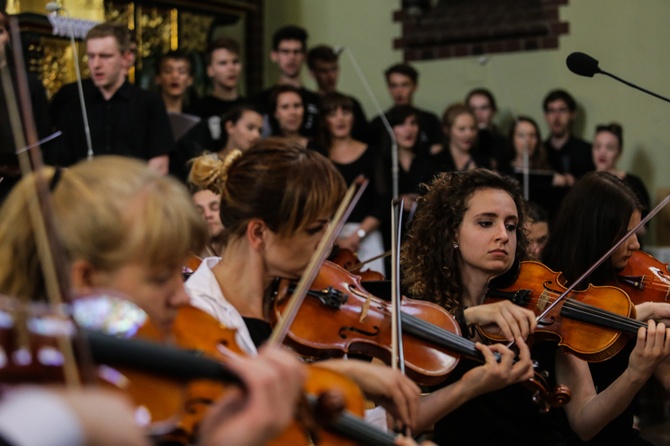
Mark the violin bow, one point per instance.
(347, 205)
(602, 259)
(40, 208)
(397, 350)
(397, 354)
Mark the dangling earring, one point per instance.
(455, 245)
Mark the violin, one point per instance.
(153, 375)
(588, 323)
(172, 387)
(330, 415)
(348, 260)
(340, 317)
(645, 279)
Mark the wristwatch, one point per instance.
(361, 233)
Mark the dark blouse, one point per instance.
(507, 416)
(373, 202)
(259, 330)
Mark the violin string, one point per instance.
(435, 333)
(603, 315)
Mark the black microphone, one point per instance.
(585, 65)
(582, 64)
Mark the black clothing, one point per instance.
(447, 163)
(310, 102)
(361, 127)
(541, 190)
(494, 146)
(619, 431)
(9, 163)
(507, 416)
(430, 129)
(213, 106)
(259, 330)
(574, 157)
(209, 134)
(133, 122)
(373, 202)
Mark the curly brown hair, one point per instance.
(428, 257)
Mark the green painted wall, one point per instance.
(629, 38)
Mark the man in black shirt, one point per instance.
(566, 153)
(402, 81)
(224, 69)
(323, 65)
(289, 45)
(123, 119)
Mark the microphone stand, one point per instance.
(387, 126)
(630, 84)
(53, 7)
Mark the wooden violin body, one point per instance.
(319, 421)
(350, 262)
(342, 317)
(588, 323)
(645, 279)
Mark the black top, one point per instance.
(259, 330)
(619, 431)
(9, 163)
(361, 127)
(133, 122)
(373, 202)
(494, 146)
(507, 416)
(213, 106)
(430, 129)
(310, 101)
(574, 157)
(447, 163)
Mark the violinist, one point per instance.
(467, 231)
(276, 201)
(128, 229)
(599, 210)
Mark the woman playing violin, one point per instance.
(594, 215)
(468, 231)
(127, 229)
(276, 201)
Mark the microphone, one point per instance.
(53, 7)
(582, 64)
(585, 65)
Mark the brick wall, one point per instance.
(457, 28)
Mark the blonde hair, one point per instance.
(107, 211)
(210, 172)
(277, 181)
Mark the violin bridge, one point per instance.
(543, 301)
